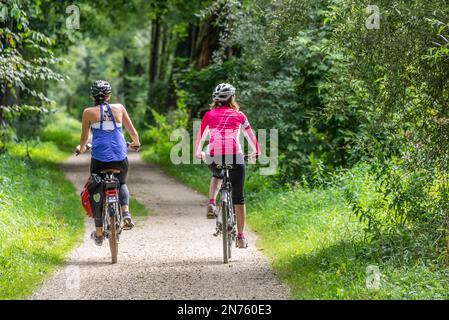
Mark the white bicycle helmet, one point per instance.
(223, 92)
(100, 87)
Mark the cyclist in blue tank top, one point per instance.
(109, 149)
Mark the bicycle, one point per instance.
(226, 223)
(226, 213)
(112, 210)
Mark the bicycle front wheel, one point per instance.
(225, 233)
(229, 244)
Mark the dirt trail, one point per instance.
(169, 255)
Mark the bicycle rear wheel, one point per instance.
(113, 243)
(229, 245)
(113, 229)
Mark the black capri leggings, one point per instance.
(236, 174)
(98, 166)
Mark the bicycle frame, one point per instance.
(226, 194)
(111, 205)
(229, 221)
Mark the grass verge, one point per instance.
(41, 218)
(138, 209)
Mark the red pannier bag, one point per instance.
(92, 195)
(85, 199)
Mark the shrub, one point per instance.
(63, 130)
(157, 138)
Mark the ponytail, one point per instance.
(100, 99)
(231, 103)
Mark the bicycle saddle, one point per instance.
(115, 171)
(224, 166)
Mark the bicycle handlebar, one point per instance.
(89, 147)
(248, 157)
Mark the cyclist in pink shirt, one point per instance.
(223, 123)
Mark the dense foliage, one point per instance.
(25, 73)
(341, 91)
(354, 90)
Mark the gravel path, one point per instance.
(169, 255)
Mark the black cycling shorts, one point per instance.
(236, 174)
(98, 166)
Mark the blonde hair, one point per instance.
(232, 102)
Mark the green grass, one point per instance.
(316, 245)
(63, 130)
(41, 218)
(137, 209)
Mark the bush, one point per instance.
(157, 138)
(404, 212)
(63, 130)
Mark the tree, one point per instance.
(25, 60)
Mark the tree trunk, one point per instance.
(183, 49)
(165, 52)
(171, 95)
(126, 90)
(155, 50)
(192, 41)
(207, 42)
(153, 72)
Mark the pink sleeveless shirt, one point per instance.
(224, 125)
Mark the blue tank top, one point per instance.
(108, 146)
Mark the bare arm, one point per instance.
(252, 139)
(204, 129)
(128, 124)
(250, 136)
(85, 131)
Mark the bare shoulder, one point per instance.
(89, 111)
(117, 106)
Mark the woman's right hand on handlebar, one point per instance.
(83, 149)
(201, 156)
(134, 145)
